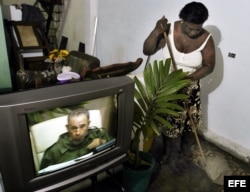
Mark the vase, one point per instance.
(138, 180)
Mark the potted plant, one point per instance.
(155, 97)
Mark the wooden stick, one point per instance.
(194, 130)
(147, 61)
(170, 50)
(94, 37)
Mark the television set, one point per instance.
(32, 120)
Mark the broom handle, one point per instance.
(195, 134)
(147, 61)
(169, 49)
(188, 110)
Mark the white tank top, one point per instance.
(189, 62)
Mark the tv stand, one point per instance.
(95, 184)
(115, 180)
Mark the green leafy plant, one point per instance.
(155, 97)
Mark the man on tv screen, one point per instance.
(79, 140)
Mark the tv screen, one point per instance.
(48, 131)
(58, 136)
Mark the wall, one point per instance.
(79, 23)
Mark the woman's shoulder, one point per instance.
(206, 33)
(175, 27)
(176, 24)
(207, 37)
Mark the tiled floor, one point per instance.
(188, 175)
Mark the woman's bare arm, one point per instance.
(155, 40)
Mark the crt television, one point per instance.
(32, 121)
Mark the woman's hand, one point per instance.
(162, 25)
(155, 41)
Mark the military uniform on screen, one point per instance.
(63, 150)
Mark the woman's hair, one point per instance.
(194, 12)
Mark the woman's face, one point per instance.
(191, 30)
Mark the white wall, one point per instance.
(79, 24)
(225, 92)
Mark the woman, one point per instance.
(193, 50)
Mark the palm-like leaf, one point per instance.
(156, 96)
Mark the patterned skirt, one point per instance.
(182, 123)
